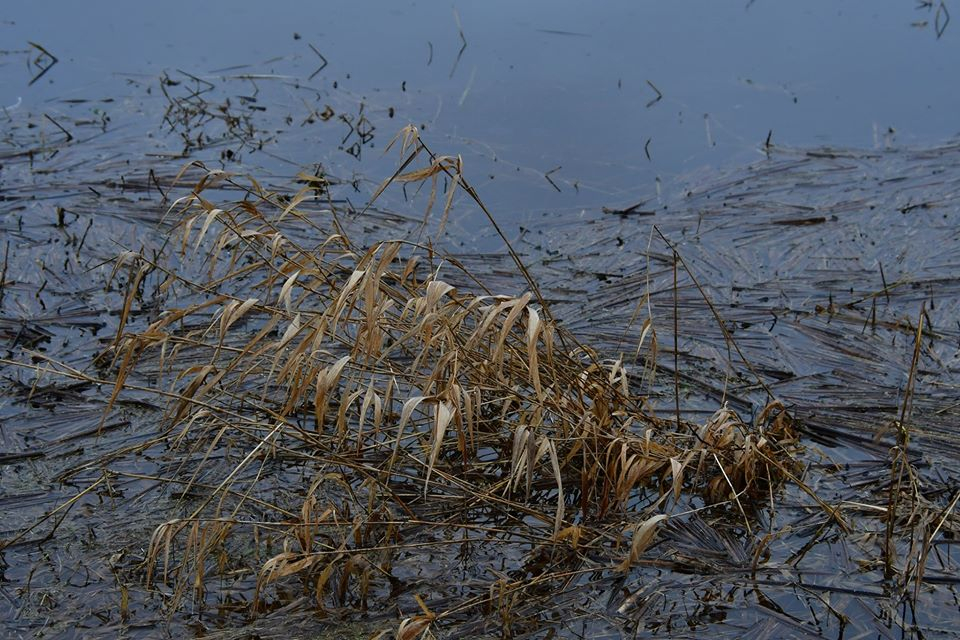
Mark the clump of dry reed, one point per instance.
(408, 398)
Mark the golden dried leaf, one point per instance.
(286, 290)
(211, 216)
(643, 535)
(415, 627)
(233, 312)
(445, 413)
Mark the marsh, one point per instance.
(500, 320)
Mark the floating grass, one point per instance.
(409, 400)
(362, 426)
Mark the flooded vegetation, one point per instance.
(330, 345)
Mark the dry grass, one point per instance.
(407, 403)
(345, 422)
(496, 471)
(367, 431)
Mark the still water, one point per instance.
(557, 108)
(605, 99)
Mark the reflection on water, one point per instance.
(604, 100)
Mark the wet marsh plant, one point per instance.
(368, 425)
(404, 403)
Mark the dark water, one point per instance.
(539, 85)
(558, 109)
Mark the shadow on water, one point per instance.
(731, 225)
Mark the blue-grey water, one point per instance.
(539, 85)
(820, 257)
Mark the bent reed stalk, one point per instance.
(408, 398)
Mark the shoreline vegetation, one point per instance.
(669, 345)
(367, 432)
